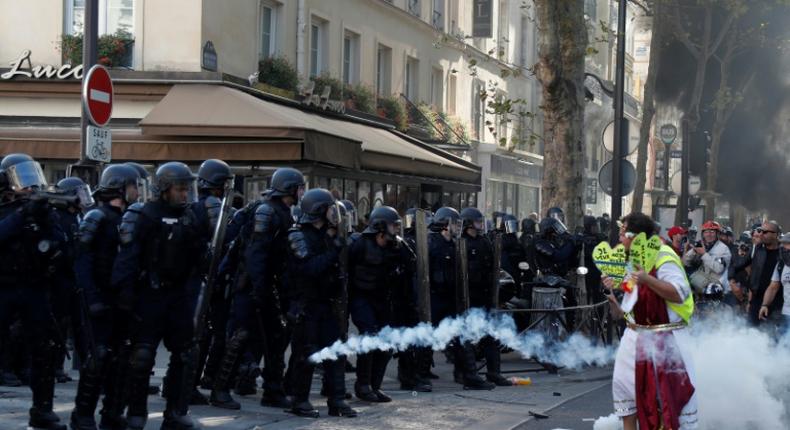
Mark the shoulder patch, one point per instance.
(89, 225)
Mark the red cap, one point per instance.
(675, 231)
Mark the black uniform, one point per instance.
(258, 303)
(375, 274)
(64, 301)
(314, 278)
(97, 248)
(31, 243)
(165, 247)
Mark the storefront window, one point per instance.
(390, 197)
(336, 187)
(363, 199)
(323, 182)
(350, 190)
(407, 197)
(510, 198)
(527, 201)
(378, 194)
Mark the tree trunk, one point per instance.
(649, 109)
(560, 70)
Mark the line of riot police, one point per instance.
(164, 259)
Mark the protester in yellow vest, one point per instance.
(653, 381)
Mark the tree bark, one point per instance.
(648, 108)
(560, 70)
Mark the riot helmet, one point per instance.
(551, 226)
(22, 172)
(509, 224)
(287, 181)
(215, 174)
(174, 174)
(446, 218)
(555, 212)
(529, 226)
(143, 182)
(318, 204)
(75, 186)
(384, 219)
(115, 182)
(473, 218)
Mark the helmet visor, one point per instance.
(333, 214)
(26, 175)
(559, 227)
(143, 190)
(409, 221)
(193, 195)
(84, 193)
(511, 226)
(454, 226)
(395, 228)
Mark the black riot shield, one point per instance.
(423, 277)
(497, 267)
(462, 275)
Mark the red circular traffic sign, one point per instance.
(97, 95)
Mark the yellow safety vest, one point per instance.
(665, 255)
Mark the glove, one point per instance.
(544, 248)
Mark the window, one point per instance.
(590, 7)
(455, 24)
(451, 90)
(317, 48)
(412, 78)
(414, 7)
(503, 33)
(524, 60)
(478, 110)
(268, 30)
(114, 16)
(437, 89)
(378, 195)
(363, 200)
(383, 70)
(438, 15)
(350, 58)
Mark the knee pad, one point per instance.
(142, 358)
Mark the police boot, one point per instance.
(246, 383)
(362, 388)
(42, 418)
(141, 362)
(88, 391)
(471, 380)
(303, 409)
(213, 361)
(175, 421)
(115, 393)
(220, 393)
(378, 369)
(339, 408)
(493, 364)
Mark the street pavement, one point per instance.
(447, 407)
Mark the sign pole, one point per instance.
(619, 124)
(91, 27)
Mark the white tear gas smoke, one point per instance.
(742, 376)
(472, 326)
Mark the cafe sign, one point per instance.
(66, 71)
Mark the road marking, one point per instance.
(100, 96)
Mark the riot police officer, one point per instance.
(69, 214)
(445, 227)
(480, 258)
(556, 254)
(215, 178)
(259, 300)
(377, 273)
(313, 275)
(512, 251)
(104, 329)
(591, 238)
(165, 246)
(529, 232)
(31, 242)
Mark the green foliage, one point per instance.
(362, 96)
(278, 72)
(111, 48)
(325, 79)
(392, 108)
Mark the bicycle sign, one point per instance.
(99, 144)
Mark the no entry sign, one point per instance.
(97, 95)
